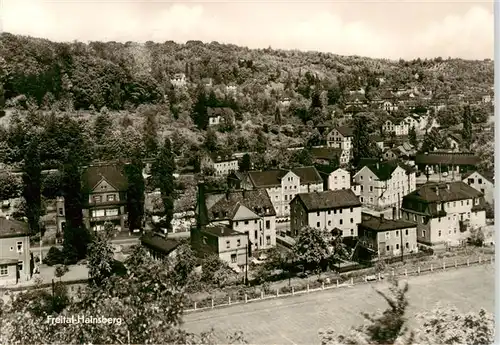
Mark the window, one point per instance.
(3, 270)
(246, 222)
(361, 177)
(423, 233)
(329, 223)
(110, 197)
(361, 188)
(317, 213)
(397, 233)
(97, 198)
(439, 233)
(470, 181)
(371, 199)
(422, 219)
(317, 224)
(406, 232)
(361, 199)
(407, 245)
(61, 211)
(454, 204)
(371, 188)
(352, 232)
(238, 243)
(352, 220)
(19, 246)
(236, 223)
(233, 258)
(467, 202)
(340, 222)
(387, 235)
(255, 234)
(340, 211)
(397, 246)
(480, 181)
(268, 224)
(112, 212)
(482, 190)
(268, 240)
(329, 211)
(439, 207)
(11, 249)
(286, 197)
(351, 209)
(228, 244)
(388, 248)
(255, 221)
(20, 266)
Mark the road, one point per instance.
(297, 320)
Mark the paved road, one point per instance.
(296, 320)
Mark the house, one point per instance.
(390, 154)
(158, 247)
(178, 80)
(378, 140)
(222, 165)
(454, 140)
(383, 184)
(453, 162)
(207, 82)
(246, 211)
(105, 192)
(389, 106)
(16, 262)
(285, 102)
(356, 99)
(218, 238)
(341, 138)
(219, 115)
(325, 155)
(352, 110)
(387, 237)
(231, 89)
(326, 210)
(397, 127)
(486, 99)
(483, 182)
(404, 153)
(339, 179)
(282, 186)
(444, 212)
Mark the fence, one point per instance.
(253, 295)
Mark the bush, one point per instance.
(286, 289)
(54, 257)
(61, 270)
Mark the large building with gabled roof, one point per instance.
(105, 191)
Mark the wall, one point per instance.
(393, 240)
(240, 250)
(345, 219)
(8, 250)
(339, 179)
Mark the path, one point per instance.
(296, 320)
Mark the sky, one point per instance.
(374, 28)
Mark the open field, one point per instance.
(296, 320)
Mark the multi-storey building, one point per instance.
(249, 212)
(179, 80)
(105, 191)
(221, 165)
(388, 237)
(328, 210)
(483, 182)
(283, 185)
(397, 127)
(159, 247)
(16, 263)
(444, 212)
(341, 137)
(339, 179)
(220, 115)
(446, 162)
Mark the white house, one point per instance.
(482, 182)
(444, 212)
(383, 185)
(220, 115)
(328, 210)
(178, 79)
(340, 137)
(389, 106)
(282, 186)
(222, 165)
(339, 179)
(398, 127)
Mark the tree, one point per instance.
(2, 100)
(215, 271)
(211, 141)
(361, 145)
(388, 327)
(432, 140)
(100, 256)
(303, 157)
(32, 183)
(135, 193)
(162, 171)
(467, 128)
(311, 247)
(199, 110)
(246, 163)
(10, 186)
(446, 325)
(150, 134)
(102, 127)
(412, 136)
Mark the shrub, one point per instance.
(54, 257)
(286, 289)
(61, 270)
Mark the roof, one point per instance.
(384, 170)
(13, 228)
(272, 178)
(165, 245)
(381, 223)
(451, 191)
(217, 158)
(450, 158)
(346, 131)
(112, 173)
(227, 205)
(219, 111)
(326, 152)
(376, 137)
(488, 175)
(221, 231)
(329, 199)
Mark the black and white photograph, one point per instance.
(247, 172)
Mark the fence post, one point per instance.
(337, 283)
(229, 300)
(322, 286)
(431, 268)
(468, 262)
(479, 259)
(418, 270)
(379, 277)
(194, 305)
(456, 264)
(246, 298)
(366, 279)
(212, 303)
(293, 291)
(352, 281)
(307, 287)
(277, 292)
(393, 273)
(444, 265)
(262, 295)
(406, 272)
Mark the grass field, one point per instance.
(296, 320)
